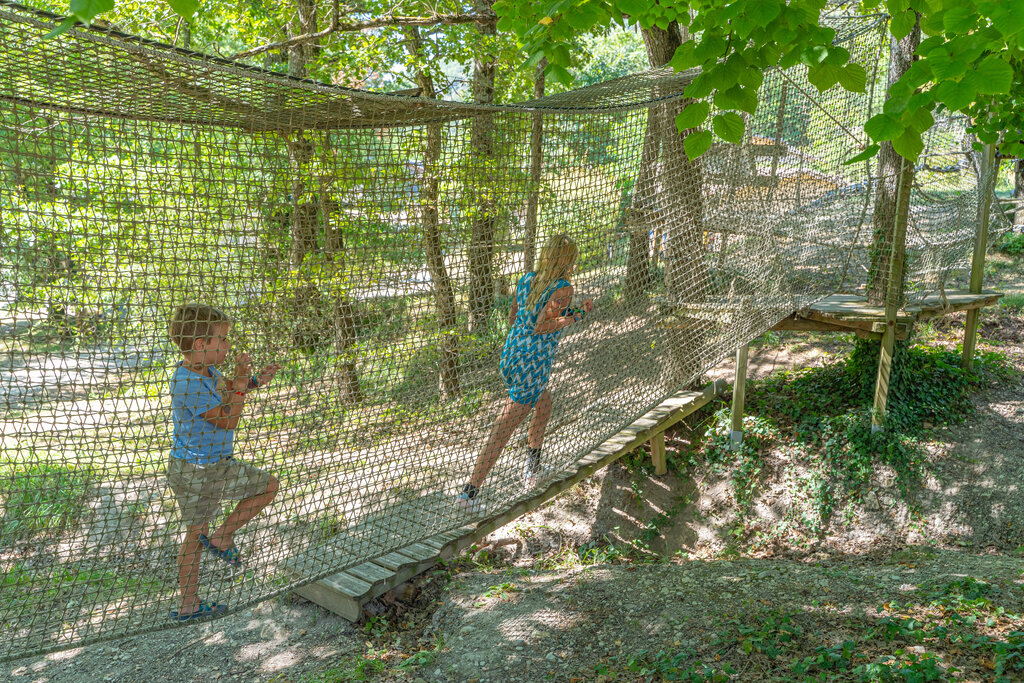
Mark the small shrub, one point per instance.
(1011, 244)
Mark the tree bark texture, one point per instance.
(536, 162)
(681, 219)
(311, 221)
(433, 244)
(305, 22)
(901, 56)
(484, 220)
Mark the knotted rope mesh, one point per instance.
(370, 244)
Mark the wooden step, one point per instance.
(345, 592)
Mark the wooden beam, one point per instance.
(658, 454)
(739, 393)
(893, 295)
(986, 182)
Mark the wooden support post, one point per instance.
(893, 294)
(987, 172)
(658, 454)
(739, 395)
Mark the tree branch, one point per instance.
(338, 26)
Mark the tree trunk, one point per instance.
(536, 159)
(309, 220)
(1018, 191)
(433, 244)
(901, 55)
(681, 218)
(301, 54)
(481, 238)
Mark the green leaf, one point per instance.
(62, 27)
(883, 127)
(559, 75)
(729, 127)
(583, 19)
(736, 97)
(752, 77)
(956, 95)
(908, 145)
(869, 151)
(762, 12)
(901, 24)
(1009, 19)
(959, 19)
(699, 87)
(823, 76)
(996, 76)
(945, 68)
(87, 10)
(184, 8)
(814, 55)
(697, 143)
(633, 8)
(693, 116)
(853, 77)
(710, 48)
(921, 120)
(684, 57)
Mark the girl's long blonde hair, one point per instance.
(556, 260)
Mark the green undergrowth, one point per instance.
(821, 418)
(943, 630)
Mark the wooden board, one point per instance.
(347, 591)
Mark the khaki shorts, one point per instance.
(199, 489)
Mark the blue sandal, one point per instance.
(232, 555)
(206, 609)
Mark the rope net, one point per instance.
(371, 246)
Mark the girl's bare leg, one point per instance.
(511, 415)
(539, 421)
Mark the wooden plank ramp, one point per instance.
(345, 592)
(852, 313)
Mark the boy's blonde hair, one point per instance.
(194, 321)
(556, 260)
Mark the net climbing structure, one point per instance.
(370, 244)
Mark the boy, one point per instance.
(201, 470)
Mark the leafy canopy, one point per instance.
(971, 60)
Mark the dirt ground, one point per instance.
(525, 610)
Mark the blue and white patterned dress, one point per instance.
(526, 357)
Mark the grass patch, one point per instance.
(41, 498)
(950, 630)
(1013, 302)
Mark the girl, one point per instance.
(539, 314)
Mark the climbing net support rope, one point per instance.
(371, 246)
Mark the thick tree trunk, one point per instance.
(433, 244)
(901, 55)
(536, 159)
(681, 217)
(481, 237)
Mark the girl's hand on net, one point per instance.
(242, 373)
(267, 373)
(588, 305)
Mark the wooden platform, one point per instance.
(851, 313)
(347, 591)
